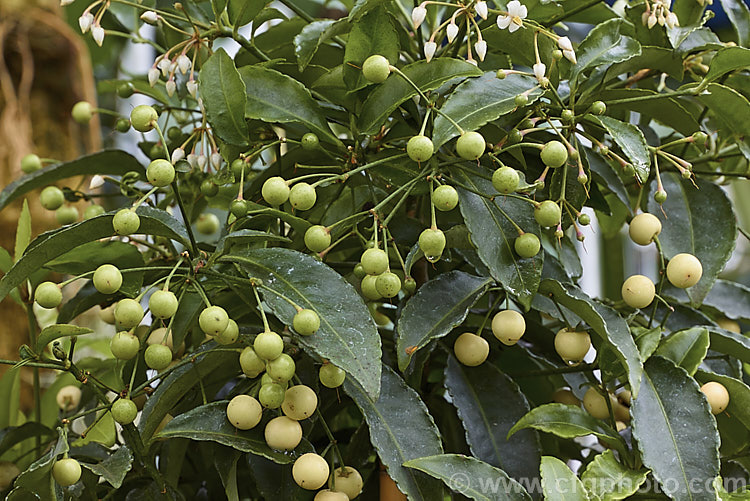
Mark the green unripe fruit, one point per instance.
(124, 411)
(445, 198)
(157, 151)
(31, 163)
(557, 54)
(554, 154)
(66, 472)
(306, 322)
(420, 148)
(252, 365)
(717, 396)
(124, 345)
(275, 191)
(470, 146)
(239, 166)
(547, 214)
(470, 349)
(374, 261)
(302, 196)
(281, 369)
(598, 108)
(514, 137)
(644, 228)
(128, 314)
(122, 125)
(207, 223)
(67, 214)
(82, 112)
(126, 222)
(684, 270)
(660, 196)
(584, 219)
(376, 69)
(163, 304)
(508, 326)
(48, 295)
(568, 116)
(174, 134)
(501, 74)
(432, 243)
(309, 141)
(107, 279)
(582, 177)
(521, 100)
(268, 345)
(596, 404)
(208, 188)
(143, 118)
(527, 245)
(300, 402)
(125, 90)
(282, 433)
(388, 284)
(93, 210)
(506, 180)
(238, 208)
(310, 471)
(266, 379)
(213, 320)
(158, 357)
(51, 198)
(638, 291)
(331, 376)
(347, 480)
(410, 285)
(572, 346)
(271, 395)
(244, 412)
(700, 138)
(160, 173)
(230, 334)
(359, 271)
(317, 238)
(369, 287)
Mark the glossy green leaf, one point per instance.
(739, 395)
(390, 94)
(604, 45)
(631, 140)
(609, 480)
(10, 392)
(471, 477)
(10, 436)
(225, 461)
(686, 348)
(277, 98)
(307, 41)
(401, 428)
(688, 11)
(241, 12)
(247, 236)
(494, 235)
(113, 163)
(478, 101)
(675, 431)
(438, 306)
(57, 331)
(669, 112)
(730, 108)
(36, 482)
(223, 94)
(114, 468)
(559, 483)
(489, 403)
(605, 321)
(730, 343)
(23, 231)
(209, 423)
(103, 432)
(700, 221)
(347, 335)
(728, 60)
(53, 244)
(374, 33)
(739, 14)
(567, 421)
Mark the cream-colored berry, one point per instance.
(644, 228)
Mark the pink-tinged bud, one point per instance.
(481, 8)
(539, 70)
(481, 48)
(183, 62)
(150, 17)
(85, 21)
(192, 159)
(564, 43)
(171, 86)
(98, 33)
(451, 31)
(216, 159)
(153, 76)
(429, 50)
(177, 155)
(192, 87)
(202, 161)
(418, 15)
(96, 182)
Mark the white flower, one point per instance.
(63, 3)
(672, 20)
(429, 50)
(192, 160)
(171, 87)
(153, 76)
(183, 62)
(192, 87)
(481, 48)
(451, 31)
(85, 21)
(150, 17)
(651, 20)
(96, 182)
(481, 8)
(98, 33)
(202, 161)
(216, 159)
(514, 17)
(564, 43)
(539, 71)
(570, 56)
(164, 64)
(177, 155)
(418, 15)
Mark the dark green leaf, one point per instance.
(241, 12)
(730, 108)
(247, 236)
(36, 482)
(489, 403)
(223, 94)
(471, 477)
(401, 429)
(739, 14)
(730, 299)
(730, 343)
(347, 335)
(56, 331)
(728, 60)
(114, 468)
(390, 94)
(699, 221)
(10, 436)
(10, 392)
(225, 461)
(630, 139)
(686, 348)
(103, 432)
(114, 163)
(607, 479)
(559, 483)
(308, 40)
(478, 101)
(374, 33)
(676, 432)
(669, 112)
(438, 306)
(604, 45)
(494, 236)
(23, 231)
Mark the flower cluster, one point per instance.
(658, 12)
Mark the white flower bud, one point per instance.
(202, 161)
(481, 8)
(418, 15)
(661, 19)
(216, 160)
(192, 159)
(451, 31)
(98, 33)
(429, 50)
(171, 87)
(164, 65)
(63, 3)
(645, 16)
(481, 48)
(153, 76)
(564, 43)
(177, 155)
(96, 182)
(192, 87)
(173, 66)
(672, 20)
(150, 17)
(183, 62)
(570, 56)
(651, 21)
(539, 70)
(85, 21)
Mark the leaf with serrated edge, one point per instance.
(604, 45)
(559, 483)
(608, 480)
(438, 306)
(114, 468)
(686, 348)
